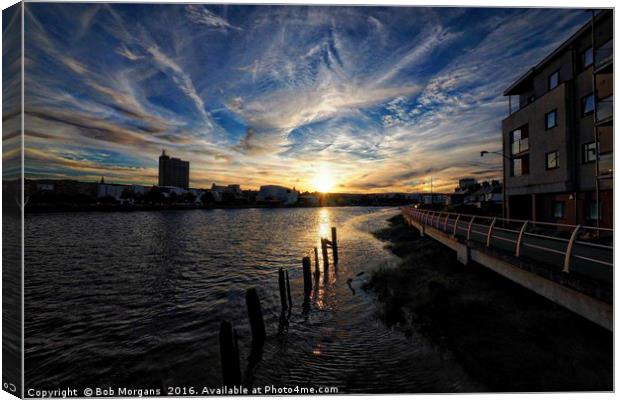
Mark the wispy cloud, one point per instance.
(199, 14)
(385, 97)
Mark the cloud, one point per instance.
(201, 15)
(384, 97)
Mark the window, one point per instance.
(558, 209)
(553, 80)
(592, 211)
(551, 119)
(553, 160)
(518, 140)
(588, 153)
(520, 166)
(587, 104)
(587, 58)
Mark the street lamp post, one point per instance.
(504, 205)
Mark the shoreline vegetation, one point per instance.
(165, 207)
(507, 338)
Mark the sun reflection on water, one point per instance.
(324, 223)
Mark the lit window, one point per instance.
(551, 119)
(519, 141)
(553, 160)
(587, 58)
(520, 166)
(587, 104)
(558, 209)
(588, 153)
(593, 213)
(553, 80)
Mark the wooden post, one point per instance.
(316, 262)
(255, 313)
(335, 244)
(307, 276)
(325, 259)
(282, 285)
(288, 292)
(229, 353)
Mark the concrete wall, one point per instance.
(541, 141)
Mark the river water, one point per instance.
(135, 300)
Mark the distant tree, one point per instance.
(207, 198)
(154, 196)
(127, 194)
(228, 198)
(189, 197)
(108, 200)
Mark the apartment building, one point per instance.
(173, 172)
(558, 136)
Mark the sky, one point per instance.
(340, 99)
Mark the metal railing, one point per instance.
(575, 248)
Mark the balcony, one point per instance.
(606, 165)
(605, 110)
(604, 57)
(519, 146)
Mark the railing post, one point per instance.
(518, 247)
(490, 230)
(469, 228)
(445, 224)
(569, 249)
(456, 224)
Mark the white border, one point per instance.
(451, 3)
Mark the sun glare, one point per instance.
(323, 181)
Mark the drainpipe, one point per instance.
(596, 138)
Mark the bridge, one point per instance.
(569, 265)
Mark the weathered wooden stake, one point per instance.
(288, 292)
(307, 276)
(316, 262)
(335, 244)
(229, 353)
(255, 313)
(325, 259)
(282, 285)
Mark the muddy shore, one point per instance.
(506, 337)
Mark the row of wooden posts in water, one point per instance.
(229, 346)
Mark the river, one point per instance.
(135, 300)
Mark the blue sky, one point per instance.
(354, 99)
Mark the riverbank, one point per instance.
(506, 337)
(40, 209)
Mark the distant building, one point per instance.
(277, 195)
(558, 138)
(232, 192)
(309, 199)
(173, 171)
(430, 199)
(466, 182)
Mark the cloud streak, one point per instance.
(382, 97)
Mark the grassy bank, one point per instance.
(506, 337)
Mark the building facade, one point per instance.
(173, 172)
(558, 137)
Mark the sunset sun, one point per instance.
(323, 181)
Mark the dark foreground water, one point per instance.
(135, 300)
